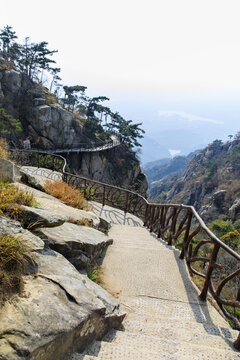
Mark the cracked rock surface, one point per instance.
(60, 310)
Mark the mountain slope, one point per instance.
(160, 173)
(211, 182)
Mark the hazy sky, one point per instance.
(168, 63)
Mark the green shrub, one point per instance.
(232, 239)
(221, 227)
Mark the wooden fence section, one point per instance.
(214, 263)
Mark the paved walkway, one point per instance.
(165, 318)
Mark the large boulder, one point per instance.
(234, 209)
(46, 201)
(60, 311)
(33, 218)
(14, 228)
(9, 172)
(37, 177)
(81, 245)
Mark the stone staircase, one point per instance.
(159, 329)
(165, 318)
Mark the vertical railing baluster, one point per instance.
(213, 259)
(145, 216)
(104, 192)
(186, 235)
(126, 203)
(85, 190)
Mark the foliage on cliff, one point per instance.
(211, 182)
(35, 61)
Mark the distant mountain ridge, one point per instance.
(162, 171)
(210, 183)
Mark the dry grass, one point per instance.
(11, 199)
(14, 256)
(3, 149)
(69, 195)
(81, 222)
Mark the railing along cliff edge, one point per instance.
(206, 256)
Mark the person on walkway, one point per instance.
(27, 142)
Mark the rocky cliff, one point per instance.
(211, 182)
(53, 127)
(162, 173)
(57, 310)
(117, 166)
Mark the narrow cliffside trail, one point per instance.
(165, 317)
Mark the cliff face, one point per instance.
(117, 166)
(54, 127)
(31, 104)
(211, 182)
(163, 173)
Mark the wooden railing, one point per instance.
(214, 263)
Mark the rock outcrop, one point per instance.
(27, 101)
(210, 182)
(81, 245)
(9, 172)
(60, 311)
(117, 166)
(48, 202)
(53, 127)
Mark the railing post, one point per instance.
(213, 259)
(104, 191)
(85, 190)
(126, 203)
(186, 235)
(151, 218)
(145, 216)
(237, 342)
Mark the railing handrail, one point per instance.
(156, 215)
(83, 147)
(195, 213)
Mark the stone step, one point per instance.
(108, 351)
(161, 309)
(185, 331)
(191, 338)
(137, 348)
(78, 356)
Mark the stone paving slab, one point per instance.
(161, 350)
(171, 334)
(132, 269)
(155, 325)
(162, 308)
(115, 216)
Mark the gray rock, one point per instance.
(37, 177)
(12, 227)
(60, 312)
(33, 218)
(234, 209)
(46, 201)
(9, 172)
(81, 245)
(218, 197)
(12, 81)
(39, 101)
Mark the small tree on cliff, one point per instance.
(7, 36)
(34, 58)
(8, 125)
(72, 97)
